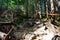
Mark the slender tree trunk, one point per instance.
(7, 4)
(55, 5)
(52, 5)
(52, 10)
(39, 9)
(59, 6)
(46, 10)
(26, 1)
(35, 6)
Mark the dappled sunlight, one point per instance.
(43, 33)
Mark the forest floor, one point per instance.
(30, 28)
(35, 30)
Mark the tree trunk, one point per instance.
(59, 6)
(26, 1)
(52, 5)
(39, 9)
(55, 5)
(46, 10)
(52, 10)
(35, 6)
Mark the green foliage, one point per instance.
(4, 3)
(17, 21)
(21, 2)
(11, 4)
(20, 7)
(31, 5)
(58, 19)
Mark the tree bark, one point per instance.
(52, 10)
(46, 10)
(59, 6)
(38, 8)
(52, 5)
(26, 8)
